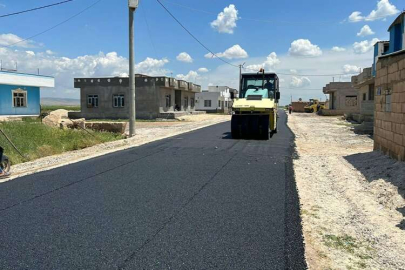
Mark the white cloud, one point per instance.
(365, 31)
(384, 9)
(293, 71)
(9, 39)
(356, 17)
(364, 46)
(330, 63)
(299, 82)
(65, 69)
(150, 66)
(338, 49)
(269, 64)
(350, 69)
(235, 52)
(192, 76)
(203, 70)
(184, 57)
(226, 20)
(304, 47)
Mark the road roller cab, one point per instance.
(254, 112)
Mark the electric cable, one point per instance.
(268, 20)
(34, 9)
(194, 37)
(53, 27)
(227, 62)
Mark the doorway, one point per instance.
(177, 100)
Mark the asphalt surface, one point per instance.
(200, 200)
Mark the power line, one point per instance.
(304, 75)
(53, 27)
(237, 66)
(145, 16)
(301, 89)
(268, 20)
(196, 39)
(33, 9)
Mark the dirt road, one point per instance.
(352, 198)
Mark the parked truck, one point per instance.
(254, 111)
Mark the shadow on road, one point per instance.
(375, 166)
(228, 136)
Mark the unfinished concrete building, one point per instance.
(343, 98)
(364, 83)
(156, 97)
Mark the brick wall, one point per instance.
(389, 125)
(299, 106)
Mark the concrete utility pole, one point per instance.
(240, 76)
(132, 4)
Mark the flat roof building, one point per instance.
(20, 93)
(156, 97)
(343, 98)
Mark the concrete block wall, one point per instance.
(298, 106)
(389, 123)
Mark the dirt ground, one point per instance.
(352, 199)
(146, 132)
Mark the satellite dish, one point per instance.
(300, 99)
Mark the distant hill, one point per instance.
(60, 102)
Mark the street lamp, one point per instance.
(133, 5)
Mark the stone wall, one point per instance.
(389, 125)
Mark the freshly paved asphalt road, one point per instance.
(196, 201)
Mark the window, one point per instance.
(192, 102)
(219, 104)
(226, 104)
(118, 101)
(92, 101)
(185, 102)
(207, 103)
(19, 98)
(388, 103)
(371, 92)
(168, 101)
(364, 96)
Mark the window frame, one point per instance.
(207, 101)
(94, 97)
(119, 98)
(185, 102)
(168, 99)
(24, 98)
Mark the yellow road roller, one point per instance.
(254, 111)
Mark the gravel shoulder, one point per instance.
(146, 132)
(352, 198)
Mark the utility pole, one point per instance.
(240, 76)
(132, 4)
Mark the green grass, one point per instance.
(36, 140)
(345, 242)
(47, 109)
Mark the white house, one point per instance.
(217, 99)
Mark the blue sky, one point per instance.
(300, 34)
